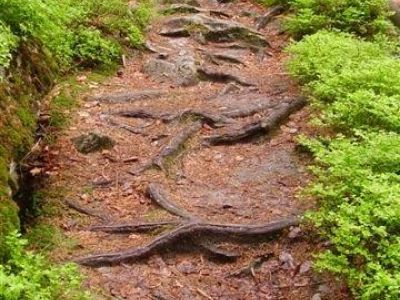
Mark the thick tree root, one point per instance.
(132, 228)
(127, 96)
(173, 147)
(159, 196)
(85, 211)
(191, 228)
(263, 21)
(189, 9)
(209, 118)
(211, 74)
(264, 126)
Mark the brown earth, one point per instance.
(219, 81)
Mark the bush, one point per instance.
(92, 49)
(7, 44)
(364, 18)
(29, 276)
(326, 53)
(57, 27)
(358, 187)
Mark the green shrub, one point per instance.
(358, 188)
(363, 17)
(7, 44)
(92, 49)
(29, 276)
(327, 53)
(364, 110)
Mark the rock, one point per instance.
(395, 7)
(287, 260)
(316, 297)
(213, 30)
(182, 71)
(295, 232)
(92, 142)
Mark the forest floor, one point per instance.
(204, 127)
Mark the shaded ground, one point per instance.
(251, 182)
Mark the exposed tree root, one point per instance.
(159, 196)
(190, 9)
(85, 211)
(132, 228)
(209, 118)
(127, 96)
(174, 145)
(212, 74)
(131, 129)
(191, 228)
(263, 21)
(263, 126)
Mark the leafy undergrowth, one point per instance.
(354, 87)
(361, 17)
(25, 275)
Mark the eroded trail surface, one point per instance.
(194, 197)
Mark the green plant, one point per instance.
(92, 49)
(29, 276)
(7, 43)
(358, 188)
(364, 18)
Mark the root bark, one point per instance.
(264, 126)
(191, 228)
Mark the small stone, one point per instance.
(293, 130)
(305, 267)
(287, 260)
(316, 297)
(92, 142)
(295, 232)
(239, 158)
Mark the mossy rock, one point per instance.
(92, 142)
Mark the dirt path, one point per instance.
(206, 119)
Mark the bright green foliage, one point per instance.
(92, 49)
(363, 17)
(82, 31)
(30, 276)
(355, 84)
(326, 53)
(358, 82)
(7, 44)
(359, 191)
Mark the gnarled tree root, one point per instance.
(185, 231)
(264, 126)
(190, 228)
(173, 147)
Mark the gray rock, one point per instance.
(316, 297)
(213, 29)
(92, 142)
(181, 71)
